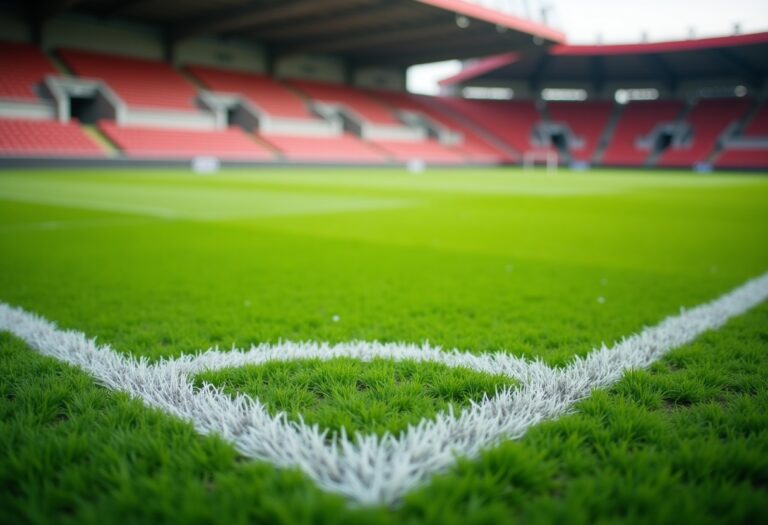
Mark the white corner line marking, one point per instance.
(371, 469)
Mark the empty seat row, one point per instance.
(512, 122)
(235, 144)
(708, 119)
(429, 151)
(339, 149)
(230, 144)
(743, 159)
(139, 82)
(758, 126)
(361, 105)
(636, 121)
(22, 68)
(45, 138)
(264, 92)
(587, 121)
(473, 146)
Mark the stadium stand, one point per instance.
(263, 91)
(357, 101)
(742, 158)
(429, 151)
(586, 120)
(45, 138)
(344, 148)
(472, 145)
(755, 151)
(758, 126)
(511, 121)
(475, 149)
(22, 67)
(161, 118)
(637, 120)
(138, 82)
(708, 119)
(230, 144)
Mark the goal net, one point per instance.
(549, 159)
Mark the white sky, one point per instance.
(622, 21)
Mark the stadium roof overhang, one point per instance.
(741, 57)
(397, 32)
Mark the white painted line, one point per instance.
(368, 469)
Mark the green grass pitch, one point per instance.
(160, 263)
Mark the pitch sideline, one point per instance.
(369, 469)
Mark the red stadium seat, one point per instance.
(344, 148)
(369, 109)
(587, 120)
(708, 119)
(230, 144)
(139, 82)
(637, 120)
(473, 146)
(743, 158)
(758, 126)
(45, 138)
(22, 66)
(429, 151)
(511, 121)
(265, 92)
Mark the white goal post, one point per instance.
(549, 158)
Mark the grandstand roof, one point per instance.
(741, 56)
(400, 32)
